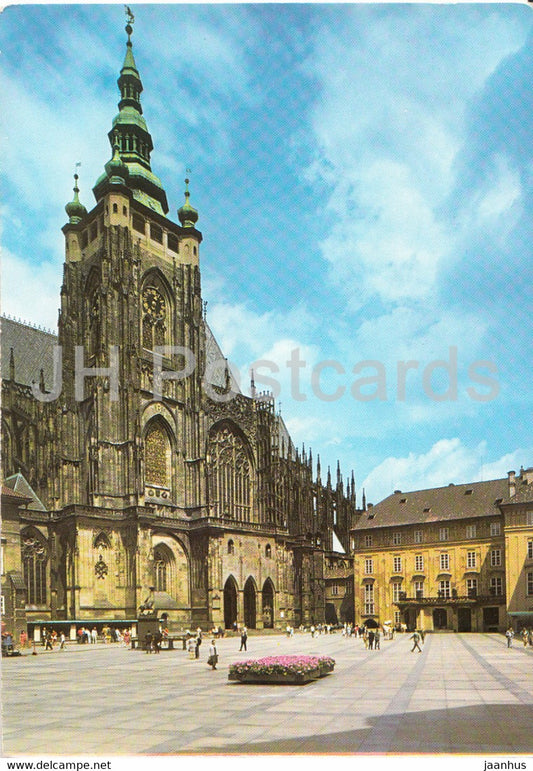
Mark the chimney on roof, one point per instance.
(370, 505)
(527, 475)
(397, 492)
(512, 483)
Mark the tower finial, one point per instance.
(75, 210)
(187, 214)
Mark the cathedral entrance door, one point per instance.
(230, 603)
(268, 604)
(249, 604)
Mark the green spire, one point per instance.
(75, 210)
(188, 215)
(130, 133)
(116, 169)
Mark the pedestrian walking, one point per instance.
(49, 646)
(371, 637)
(244, 638)
(198, 643)
(62, 641)
(376, 640)
(524, 636)
(509, 634)
(415, 637)
(213, 655)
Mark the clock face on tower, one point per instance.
(153, 303)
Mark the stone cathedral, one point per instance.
(133, 465)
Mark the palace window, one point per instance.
(397, 617)
(34, 559)
(231, 547)
(230, 475)
(335, 590)
(397, 564)
(419, 589)
(470, 531)
(396, 539)
(471, 587)
(268, 551)
(369, 566)
(529, 517)
(419, 562)
(471, 559)
(529, 584)
(496, 585)
(444, 588)
(444, 533)
(418, 536)
(368, 540)
(496, 558)
(530, 550)
(445, 561)
(396, 588)
(495, 528)
(369, 599)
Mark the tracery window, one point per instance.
(157, 455)
(230, 475)
(154, 323)
(34, 559)
(161, 570)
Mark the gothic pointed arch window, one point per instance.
(34, 562)
(156, 313)
(163, 569)
(230, 474)
(157, 459)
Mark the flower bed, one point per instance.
(281, 669)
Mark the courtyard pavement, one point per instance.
(465, 693)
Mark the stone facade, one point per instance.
(156, 474)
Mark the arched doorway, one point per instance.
(440, 618)
(230, 603)
(268, 604)
(250, 604)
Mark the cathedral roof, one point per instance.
(476, 499)
(18, 484)
(216, 363)
(32, 351)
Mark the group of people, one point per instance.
(525, 634)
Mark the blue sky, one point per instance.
(361, 174)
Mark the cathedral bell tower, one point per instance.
(131, 315)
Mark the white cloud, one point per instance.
(30, 291)
(448, 460)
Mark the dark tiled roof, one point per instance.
(19, 484)
(214, 359)
(477, 499)
(7, 492)
(524, 493)
(32, 349)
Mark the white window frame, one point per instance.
(397, 564)
(471, 559)
(496, 583)
(396, 539)
(419, 562)
(397, 617)
(368, 540)
(396, 589)
(470, 531)
(369, 599)
(444, 561)
(471, 583)
(529, 584)
(418, 587)
(495, 529)
(444, 533)
(530, 549)
(369, 566)
(496, 558)
(418, 536)
(444, 588)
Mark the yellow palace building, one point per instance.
(449, 558)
